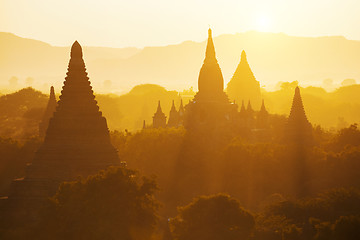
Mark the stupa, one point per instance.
(77, 143)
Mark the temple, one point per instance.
(210, 107)
(262, 119)
(174, 117)
(159, 118)
(49, 111)
(298, 127)
(243, 84)
(77, 143)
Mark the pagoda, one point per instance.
(210, 107)
(49, 111)
(262, 118)
(298, 128)
(174, 118)
(159, 118)
(243, 84)
(77, 143)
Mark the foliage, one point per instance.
(115, 204)
(212, 217)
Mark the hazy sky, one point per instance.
(119, 23)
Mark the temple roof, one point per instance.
(211, 82)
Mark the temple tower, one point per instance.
(159, 118)
(49, 111)
(210, 106)
(243, 84)
(77, 143)
(298, 129)
(262, 119)
(173, 116)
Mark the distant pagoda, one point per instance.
(49, 111)
(298, 127)
(174, 118)
(210, 106)
(262, 119)
(159, 118)
(77, 143)
(243, 84)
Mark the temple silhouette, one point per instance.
(77, 140)
(77, 143)
(49, 112)
(243, 84)
(211, 107)
(298, 128)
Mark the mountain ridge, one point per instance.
(273, 57)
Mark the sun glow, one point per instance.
(263, 23)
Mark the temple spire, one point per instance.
(76, 50)
(174, 119)
(243, 83)
(299, 128)
(249, 108)
(50, 109)
(210, 49)
(159, 118)
(262, 108)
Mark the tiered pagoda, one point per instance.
(298, 129)
(243, 84)
(49, 111)
(159, 118)
(210, 107)
(174, 117)
(262, 119)
(77, 143)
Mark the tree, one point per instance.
(213, 218)
(115, 204)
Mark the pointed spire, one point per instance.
(243, 56)
(298, 127)
(249, 107)
(211, 81)
(49, 112)
(52, 92)
(144, 124)
(243, 83)
(76, 50)
(210, 49)
(174, 117)
(159, 118)
(297, 108)
(159, 110)
(263, 109)
(173, 106)
(262, 119)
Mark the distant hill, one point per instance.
(273, 57)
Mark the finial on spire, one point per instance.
(52, 91)
(76, 50)
(243, 55)
(210, 49)
(159, 107)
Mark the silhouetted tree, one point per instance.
(213, 218)
(114, 204)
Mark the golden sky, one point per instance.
(119, 23)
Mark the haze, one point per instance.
(142, 23)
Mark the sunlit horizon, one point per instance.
(141, 23)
